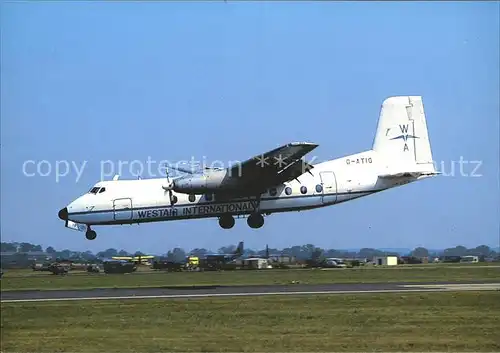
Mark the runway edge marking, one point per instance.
(208, 295)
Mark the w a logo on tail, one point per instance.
(404, 136)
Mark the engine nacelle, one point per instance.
(201, 184)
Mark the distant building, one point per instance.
(469, 258)
(413, 260)
(23, 259)
(410, 260)
(284, 259)
(385, 260)
(452, 258)
(256, 263)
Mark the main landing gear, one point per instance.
(255, 220)
(90, 234)
(226, 221)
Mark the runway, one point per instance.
(236, 291)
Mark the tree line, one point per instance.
(300, 252)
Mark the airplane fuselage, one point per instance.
(139, 201)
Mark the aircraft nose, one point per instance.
(63, 214)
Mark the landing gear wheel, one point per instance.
(255, 220)
(226, 221)
(90, 234)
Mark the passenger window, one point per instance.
(288, 190)
(303, 189)
(272, 192)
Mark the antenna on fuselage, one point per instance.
(116, 177)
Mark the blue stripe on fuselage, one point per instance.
(212, 209)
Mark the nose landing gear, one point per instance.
(90, 234)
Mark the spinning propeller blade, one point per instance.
(171, 196)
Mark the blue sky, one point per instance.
(225, 81)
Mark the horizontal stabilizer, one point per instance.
(408, 174)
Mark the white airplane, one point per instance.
(277, 181)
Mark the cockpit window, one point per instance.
(102, 190)
(94, 190)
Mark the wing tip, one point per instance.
(303, 143)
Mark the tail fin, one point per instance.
(402, 138)
(239, 249)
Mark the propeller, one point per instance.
(168, 188)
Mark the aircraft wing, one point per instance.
(142, 257)
(278, 165)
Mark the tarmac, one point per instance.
(237, 291)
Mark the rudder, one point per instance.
(239, 249)
(402, 137)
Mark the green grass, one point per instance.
(75, 280)
(442, 321)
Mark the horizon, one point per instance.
(402, 250)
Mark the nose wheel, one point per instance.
(90, 234)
